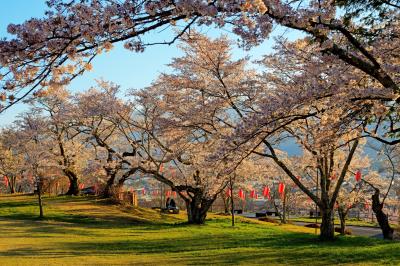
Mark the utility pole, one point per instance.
(232, 203)
(316, 207)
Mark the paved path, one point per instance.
(357, 230)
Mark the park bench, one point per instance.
(170, 210)
(266, 213)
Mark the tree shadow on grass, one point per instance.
(15, 204)
(83, 211)
(228, 248)
(290, 248)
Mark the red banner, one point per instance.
(281, 188)
(241, 194)
(266, 192)
(358, 176)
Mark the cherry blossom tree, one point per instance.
(97, 117)
(175, 155)
(30, 138)
(11, 164)
(381, 187)
(322, 90)
(55, 108)
(54, 50)
(183, 117)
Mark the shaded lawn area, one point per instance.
(351, 221)
(81, 231)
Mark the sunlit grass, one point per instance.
(81, 231)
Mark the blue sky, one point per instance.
(128, 69)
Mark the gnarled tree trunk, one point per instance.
(108, 190)
(197, 208)
(381, 217)
(73, 188)
(121, 181)
(327, 227)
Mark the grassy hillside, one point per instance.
(81, 231)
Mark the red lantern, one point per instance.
(6, 181)
(358, 176)
(174, 194)
(241, 194)
(266, 192)
(281, 188)
(168, 193)
(229, 193)
(81, 186)
(252, 194)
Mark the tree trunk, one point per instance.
(12, 184)
(381, 217)
(197, 209)
(118, 187)
(73, 188)
(108, 189)
(284, 208)
(327, 230)
(12, 189)
(277, 211)
(39, 192)
(342, 217)
(121, 181)
(231, 201)
(225, 200)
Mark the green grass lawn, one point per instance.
(81, 231)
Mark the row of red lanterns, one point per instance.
(281, 188)
(254, 195)
(357, 176)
